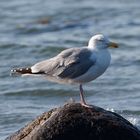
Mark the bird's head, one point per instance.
(100, 41)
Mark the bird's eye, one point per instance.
(100, 40)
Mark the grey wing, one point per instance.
(76, 69)
(70, 63)
(49, 67)
(76, 62)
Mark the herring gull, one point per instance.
(75, 65)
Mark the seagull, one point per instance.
(75, 65)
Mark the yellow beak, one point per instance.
(113, 45)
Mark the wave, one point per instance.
(41, 92)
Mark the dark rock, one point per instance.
(75, 122)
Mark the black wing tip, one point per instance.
(20, 71)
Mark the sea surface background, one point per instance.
(34, 30)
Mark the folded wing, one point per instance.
(70, 63)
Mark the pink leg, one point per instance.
(82, 95)
(83, 102)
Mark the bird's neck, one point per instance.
(93, 48)
(96, 50)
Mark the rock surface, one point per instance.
(75, 122)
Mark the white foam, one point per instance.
(132, 120)
(110, 109)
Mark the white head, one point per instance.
(100, 41)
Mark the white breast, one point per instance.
(102, 62)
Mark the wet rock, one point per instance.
(75, 122)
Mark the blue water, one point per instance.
(34, 30)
